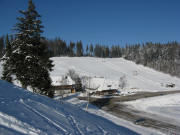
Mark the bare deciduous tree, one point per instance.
(74, 76)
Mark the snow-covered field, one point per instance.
(107, 71)
(167, 106)
(22, 112)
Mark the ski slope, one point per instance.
(25, 113)
(107, 71)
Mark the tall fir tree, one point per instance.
(91, 49)
(30, 59)
(7, 63)
(107, 51)
(87, 50)
(72, 45)
(79, 49)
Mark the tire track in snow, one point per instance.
(102, 130)
(52, 109)
(47, 119)
(74, 125)
(11, 122)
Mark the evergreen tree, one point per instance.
(7, 64)
(72, 45)
(30, 59)
(79, 49)
(87, 50)
(106, 51)
(97, 51)
(91, 49)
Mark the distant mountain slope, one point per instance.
(22, 112)
(107, 71)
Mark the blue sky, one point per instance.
(101, 21)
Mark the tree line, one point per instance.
(163, 57)
(58, 47)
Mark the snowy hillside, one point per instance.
(107, 71)
(22, 112)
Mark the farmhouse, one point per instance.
(66, 89)
(105, 92)
(63, 89)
